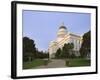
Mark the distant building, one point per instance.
(63, 36)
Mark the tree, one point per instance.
(41, 54)
(58, 53)
(86, 45)
(29, 49)
(67, 50)
(72, 55)
(30, 52)
(70, 49)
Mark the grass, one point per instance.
(78, 62)
(34, 63)
(69, 62)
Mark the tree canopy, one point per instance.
(29, 49)
(85, 49)
(58, 53)
(30, 52)
(65, 51)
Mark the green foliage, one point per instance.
(41, 55)
(86, 45)
(78, 62)
(73, 55)
(29, 49)
(65, 51)
(30, 52)
(58, 53)
(34, 63)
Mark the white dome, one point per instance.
(62, 31)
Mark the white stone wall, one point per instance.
(63, 36)
(52, 49)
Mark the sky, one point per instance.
(42, 26)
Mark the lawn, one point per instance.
(34, 63)
(78, 62)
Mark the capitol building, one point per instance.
(64, 36)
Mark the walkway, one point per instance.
(55, 63)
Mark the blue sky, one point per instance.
(42, 26)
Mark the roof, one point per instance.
(62, 27)
(74, 34)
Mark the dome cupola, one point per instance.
(62, 31)
(62, 27)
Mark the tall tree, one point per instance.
(85, 49)
(58, 53)
(70, 49)
(29, 49)
(65, 52)
(67, 49)
(30, 52)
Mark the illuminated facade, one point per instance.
(63, 36)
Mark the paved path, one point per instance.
(55, 63)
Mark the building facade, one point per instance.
(64, 36)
